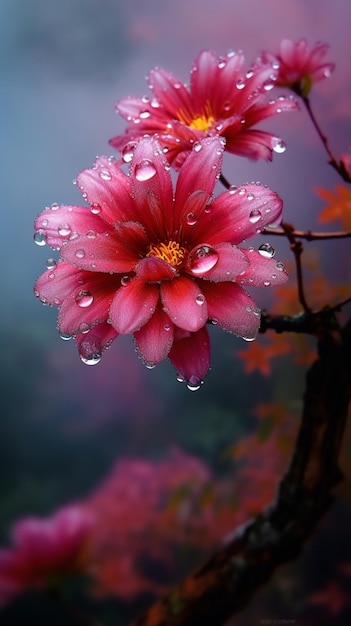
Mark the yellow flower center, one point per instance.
(203, 121)
(171, 252)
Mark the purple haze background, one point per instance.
(64, 64)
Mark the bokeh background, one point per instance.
(63, 425)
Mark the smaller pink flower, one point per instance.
(222, 99)
(45, 551)
(299, 67)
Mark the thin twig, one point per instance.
(297, 250)
(309, 235)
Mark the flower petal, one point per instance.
(231, 262)
(60, 223)
(170, 92)
(100, 253)
(154, 340)
(88, 304)
(262, 272)
(238, 214)
(92, 344)
(152, 269)
(183, 301)
(133, 306)
(54, 285)
(190, 355)
(232, 309)
(108, 191)
(152, 188)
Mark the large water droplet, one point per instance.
(266, 250)
(128, 151)
(145, 170)
(255, 216)
(92, 359)
(202, 259)
(64, 230)
(84, 298)
(191, 219)
(278, 145)
(40, 238)
(95, 208)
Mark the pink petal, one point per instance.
(54, 285)
(190, 355)
(155, 338)
(60, 223)
(183, 301)
(170, 92)
(153, 269)
(101, 253)
(232, 309)
(262, 272)
(91, 344)
(203, 165)
(108, 191)
(88, 304)
(238, 214)
(152, 188)
(204, 79)
(133, 306)
(218, 82)
(258, 113)
(231, 262)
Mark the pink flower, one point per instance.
(221, 100)
(299, 66)
(45, 551)
(158, 264)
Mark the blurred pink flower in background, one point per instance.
(222, 99)
(299, 66)
(45, 551)
(159, 265)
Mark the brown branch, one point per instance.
(309, 235)
(228, 580)
(297, 250)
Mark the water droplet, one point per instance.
(80, 253)
(149, 366)
(40, 238)
(232, 189)
(278, 145)
(242, 191)
(200, 299)
(327, 72)
(92, 359)
(167, 327)
(249, 338)
(191, 219)
(193, 387)
(221, 64)
(197, 146)
(125, 280)
(255, 216)
(54, 206)
(145, 170)
(266, 250)
(275, 65)
(64, 230)
(266, 283)
(280, 266)
(249, 74)
(128, 151)
(66, 337)
(44, 223)
(95, 208)
(250, 196)
(84, 298)
(155, 103)
(84, 328)
(105, 174)
(226, 106)
(91, 234)
(180, 378)
(50, 264)
(144, 115)
(240, 84)
(202, 259)
(268, 86)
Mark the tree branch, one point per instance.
(228, 580)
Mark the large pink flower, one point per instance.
(300, 66)
(143, 260)
(45, 551)
(222, 99)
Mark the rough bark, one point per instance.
(230, 577)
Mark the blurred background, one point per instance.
(64, 425)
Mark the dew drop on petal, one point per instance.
(191, 219)
(200, 299)
(167, 327)
(180, 378)
(249, 338)
(95, 208)
(105, 174)
(232, 189)
(40, 238)
(202, 259)
(80, 254)
(266, 250)
(280, 266)
(145, 170)
(125, 280)
(144, 115)
(250, 196)
(266, 283)
(64, 230)
(84, 298)
(92, 359)
(54, 206)
(240, 84)
(255, 216)
(197, 146)
(193, 387)
(278, 145)
(128, 151)
(149, 366)
(66, 337)
(50, 264)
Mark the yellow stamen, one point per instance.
(171, 252)
(203, 121)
